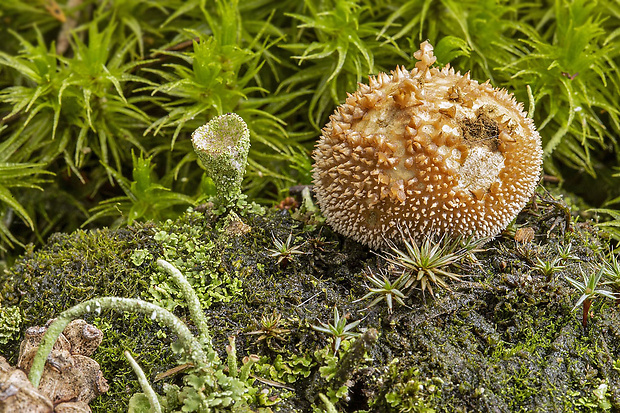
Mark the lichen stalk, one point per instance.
(353, 357)
(329, 406)
(164, 317)
(193, 304)
(144, 383)
(231, 351)
(248, 362)
(222, 145)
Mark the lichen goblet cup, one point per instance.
(222, 145)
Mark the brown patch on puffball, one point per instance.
(426, 151)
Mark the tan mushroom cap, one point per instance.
(427, 151)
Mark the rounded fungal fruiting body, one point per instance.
(426, 151)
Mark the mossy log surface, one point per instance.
(505, 340)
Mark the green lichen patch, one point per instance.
(194, 247)
(10, 322)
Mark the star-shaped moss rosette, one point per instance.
(222, 146)
(429, 151)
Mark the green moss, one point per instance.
(86, 264)
(141, 76)
(145, 339)
(75, 267)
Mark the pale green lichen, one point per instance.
(192, 248)
(222, 146)
(149, 393)
(10, 321)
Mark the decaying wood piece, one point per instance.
(71, 379)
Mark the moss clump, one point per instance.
(87, 264)
(75, 267)
(507, 339)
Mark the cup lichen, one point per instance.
(222, 145)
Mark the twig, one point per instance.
(62, 42)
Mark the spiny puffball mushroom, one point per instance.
(427, 152)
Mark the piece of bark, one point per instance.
(30, 344)
(83, 337)
(17, 394)
(76, 379)
(69, 374)
(72, 407)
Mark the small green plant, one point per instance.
(589, 291)
(270, 328)
(383, 289)
(284, 251)
(337, 369)
(340, 329)
(336, 50)
(15, 175)
(571, 55)
(424, 264)
(611, 224)
(597, 400)
(548, 268)
(144, 197)
(74, 108)
(564, 253)
(611, 271)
